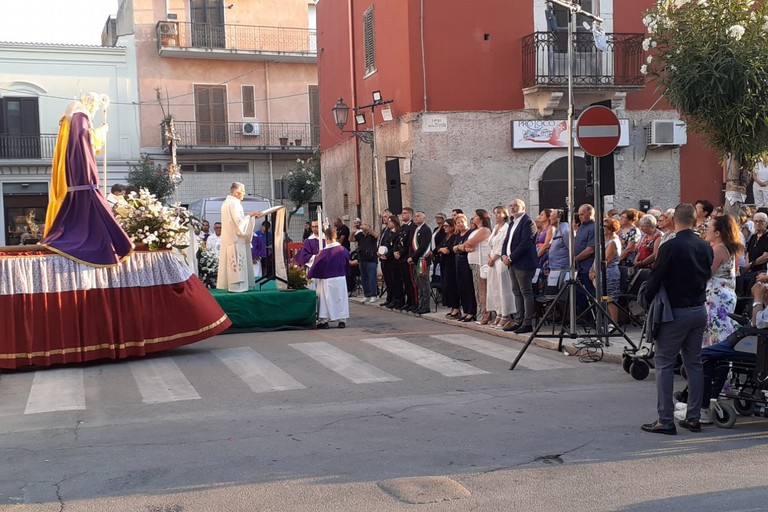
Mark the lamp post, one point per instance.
(573, 10)
(341, 117)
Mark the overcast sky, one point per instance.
(54, 21)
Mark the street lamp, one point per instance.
(341, 117)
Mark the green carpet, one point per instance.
(268, 309)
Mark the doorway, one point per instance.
(553, 186)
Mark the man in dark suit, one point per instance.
(405, 239)
(419, 263)
(682, 269)
(519, 254)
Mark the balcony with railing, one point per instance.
(245, 137)
(596, 74)
(235, 42)
(27, 147)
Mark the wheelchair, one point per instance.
(742, 378)
(737, 373)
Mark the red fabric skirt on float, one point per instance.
(54, 310)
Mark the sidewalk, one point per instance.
(611, 353)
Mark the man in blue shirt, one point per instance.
(584, 251)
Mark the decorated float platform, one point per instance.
(54, 310)
(267, 308)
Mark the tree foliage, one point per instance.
(710, 58)
(152, 177)
(303, 183)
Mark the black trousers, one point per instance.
(465, 285)
(389, 282)
(409, 283)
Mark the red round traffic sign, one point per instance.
(598, 131)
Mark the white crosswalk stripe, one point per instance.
(161, 380)
(343, 363)
(56, 390)
(502, 352)
(424, 357)
(256, 371)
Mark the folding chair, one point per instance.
(555, 280)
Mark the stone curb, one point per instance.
(546, 343)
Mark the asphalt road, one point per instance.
(391, 412)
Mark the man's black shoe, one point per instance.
(692, 425)
(660, 428)
(512, 328)
(385, 304)
(422, 311)
(411, 309)
(323, 325)
(523, 329)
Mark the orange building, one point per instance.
(479, 103)
(239, 79)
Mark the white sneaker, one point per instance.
(372, 299)
(706, 416)
(681, 406)
(680, 415)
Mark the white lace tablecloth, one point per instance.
(51, 273)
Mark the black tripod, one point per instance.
(571, 331)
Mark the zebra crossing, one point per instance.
(163, 380)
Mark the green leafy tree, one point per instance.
(710, 58)
(152, 177)
(303, 183)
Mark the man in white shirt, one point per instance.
(213, 244)
(760, 183)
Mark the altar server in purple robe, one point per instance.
(329, 272)
(306, 256)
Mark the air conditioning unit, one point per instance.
(169, 28)
(666, 132)
(252, 129)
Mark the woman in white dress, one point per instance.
(478, 248)
(499, 297)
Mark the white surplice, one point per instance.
(235, 263)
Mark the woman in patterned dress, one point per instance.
(723, 234)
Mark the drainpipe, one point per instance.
(353, 84)
(423, 59)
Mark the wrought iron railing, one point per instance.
(23, 147)
(267, 136)
(184, 34)
(545, 60)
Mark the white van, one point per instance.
(210, 208)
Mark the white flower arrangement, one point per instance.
(147, 221)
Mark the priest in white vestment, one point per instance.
(235, 267)
(329, 272)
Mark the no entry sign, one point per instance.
(598, 131)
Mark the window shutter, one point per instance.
(249, 106)
(368, 41)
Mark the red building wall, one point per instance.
(462, 49)
(465, 69)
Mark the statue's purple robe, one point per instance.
(84, 229)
